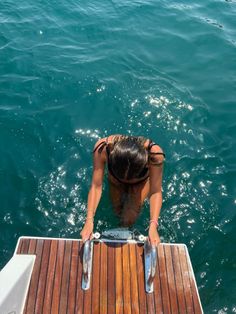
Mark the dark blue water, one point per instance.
(71, 72)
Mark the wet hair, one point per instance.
(128, 159)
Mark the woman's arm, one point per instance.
(156, 171)
(95, 192)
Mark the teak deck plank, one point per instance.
(150, 303)
(163, 280)
(185, 276)
(133, 280)
(95, 279)
(58, 278)
(195, 296)
(25, 246)
(32, 296)
(32, 246)
(171, 280)
(111, 279)
(126, 279)
(157, 291)
(65, 278)
(103, 279)
(179, 280)
(73, 277)
(79, 293)
(140, 277)
(117, 279)
(19, 246)
(50, 276)
(42, 277)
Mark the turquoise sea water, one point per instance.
(74, 71)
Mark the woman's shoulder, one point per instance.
(100, 144)
(99, 150)
(106, 140)
(156, 155)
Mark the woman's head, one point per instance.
(128, 159)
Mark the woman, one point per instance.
(135, 166)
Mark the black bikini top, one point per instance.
(143, 175)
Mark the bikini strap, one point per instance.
(163, 154)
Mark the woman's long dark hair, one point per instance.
(129, 158)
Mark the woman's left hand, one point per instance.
(153, 235)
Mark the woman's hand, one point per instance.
(153, 235)
(87, 231)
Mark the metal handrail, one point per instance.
(87, 264)
(150, 260)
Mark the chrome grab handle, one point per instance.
(150, 260)
(88, 261)
(87, 264)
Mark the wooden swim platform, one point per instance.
(117, 279)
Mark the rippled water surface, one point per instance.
(74, 71)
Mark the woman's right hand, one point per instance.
(87, 231)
